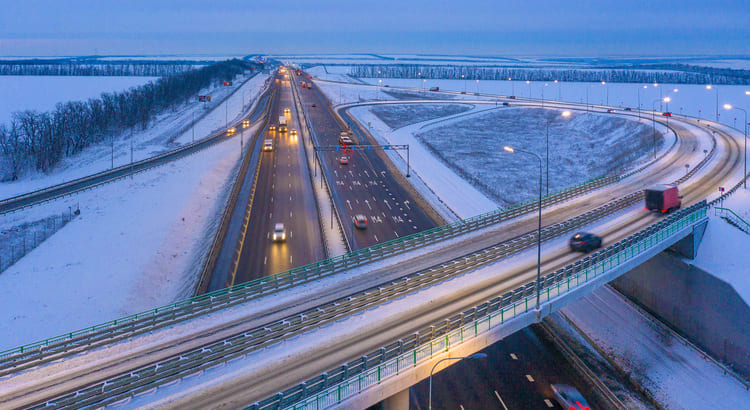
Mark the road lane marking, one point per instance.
(265, 260)
(513, 356)
(548, 403)
(501, 400)
(531, 379)
(396, 234)
(376, 238)
(290, 259)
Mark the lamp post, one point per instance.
(667, 100)
(380, 82)
(512, 87)
(708, 87)
(529, 84)
(558, 91)
(463, 77)
(539, 231)
(604, 83)
(729, 107)
(639, 101)
(653, 122)
(479, 355)
(565, 114)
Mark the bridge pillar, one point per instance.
(688, 246)
(399, 401)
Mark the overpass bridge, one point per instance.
(181, 354)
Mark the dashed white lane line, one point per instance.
(376, 238)
(501, 400)
(396, 234)
(548, 403)
(265, 260)
(290, 259)
(513, 356)
(529, 378)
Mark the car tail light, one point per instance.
(663, 211)
(645, 207)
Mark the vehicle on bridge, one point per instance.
(344, 160)
(585, 242)
(667, 114)
(282, 123)
(434, 88)
(231, 131)
(569, 397)
(268, 145)
(662, 198)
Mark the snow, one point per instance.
(723, 251)
(138, 243)
(130, 250)
(42, 93)
(170, 130)
(675, 374)
(689, 99)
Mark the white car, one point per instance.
(279, 233)
(267, 145)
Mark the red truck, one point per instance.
(662, 198)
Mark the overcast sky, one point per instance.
(521, 27)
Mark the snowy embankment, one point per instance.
(138, 243)
(165, 134)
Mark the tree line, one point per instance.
(39, 140)
(671, 73)
(108, 69)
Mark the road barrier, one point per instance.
(353, 378)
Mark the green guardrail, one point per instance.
(743, 224)
(334, 395)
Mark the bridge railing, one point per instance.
(496, 312)
(223, 298)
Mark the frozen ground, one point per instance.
(138, 243)
(170, 130)
(689, 99)
(674, 374)
(41, 93)
(397, 116)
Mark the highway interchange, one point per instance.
(365, 185)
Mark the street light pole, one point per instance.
(539, 230)
(479, 355)
(564, 114)
(653, 123)
(729, 107)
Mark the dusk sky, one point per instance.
(537, 27)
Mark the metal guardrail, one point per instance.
(209, 263)
(332, 389)
(145, 378)
(91, 181)
(166, 315)
(729, 214)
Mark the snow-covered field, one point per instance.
(170, 130)
(689, 99)
(138, 243)
(41, 93)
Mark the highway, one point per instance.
(283, 194)
(418, 313)
(363, 186)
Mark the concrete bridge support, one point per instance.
(399, 401)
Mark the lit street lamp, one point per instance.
(708, 87)
(565, 114)
(512, 87)
(729, 107)
(479, 355)
(639, 101)
(604, 83)
(653, 122)
(539, 231)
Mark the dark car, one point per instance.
(667, 114)
(360, 221)
(506, 103)
(569, 397)
(585, 242)
(314, 105)
(611, 111)
(628, 109)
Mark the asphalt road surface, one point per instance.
(283, 194)
(364, 185)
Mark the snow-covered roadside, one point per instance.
(674, 374)
(162, 136)
(138, 243)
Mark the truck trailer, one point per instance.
(662, 198)
(282, 123)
